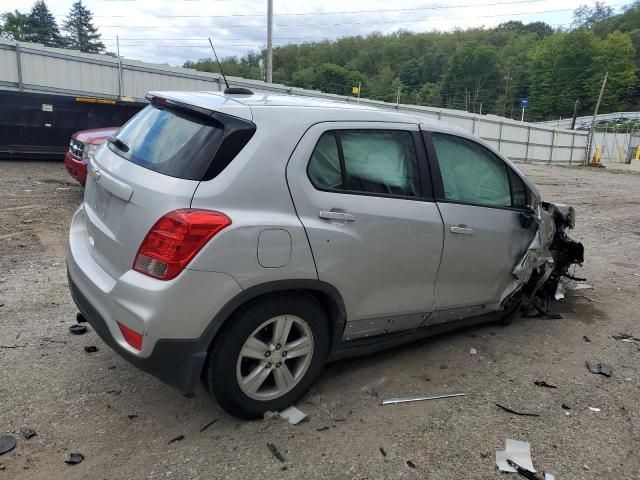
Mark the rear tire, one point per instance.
(268, 355)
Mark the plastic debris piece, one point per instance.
(594, 409)
(132, 416)
(78, 329)
(294, 415)
(582, 286)
(410, 464)
(599, 368)
(74, 458)
(515, 412)
(586, 339)
(275, 452)
(473, 351)
(176, 439)
(28, 432)
(516, 451)
(565, 406)
(417, 398)
(7, 443)
(383, 452)
(549, 476)
(90, 349)
(208, 425)
(542, 383)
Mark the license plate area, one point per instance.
(101, 201)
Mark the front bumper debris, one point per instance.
(547, 259)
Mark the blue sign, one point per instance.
(524, 102)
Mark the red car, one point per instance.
(82, 144)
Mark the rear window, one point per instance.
(178, 143)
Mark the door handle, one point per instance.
(462, 230)
(332, 215)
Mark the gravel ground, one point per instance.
(81, 402)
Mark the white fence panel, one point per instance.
(38, 68)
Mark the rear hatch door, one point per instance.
(152, 166)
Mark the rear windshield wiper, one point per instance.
(119, 144)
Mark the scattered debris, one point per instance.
(542, 383)
(549, 476)
(7, 443)
(515, 412)
(132, 416)
(90, 349)
(410, 464)
(179, 438)
(586, 339)
(383, 452)
(115, 392)
(473, 351)
(74, 458)
(28, 432)
(208, 425)
(78, 329)
(275, 452)
(625, 337)
(599, 368)
(516, 451)
(594, 409)
(292, 414)
(417, 398)
(322, 429)
(565, 406)
(526, 473)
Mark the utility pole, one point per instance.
(506, 92)
(398, 98)
(359, 88)
(119, 68)
(575, 114)
(269, 41)
(595, 114)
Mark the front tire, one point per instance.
(268, 355)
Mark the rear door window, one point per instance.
(170, 141)
(381, 162)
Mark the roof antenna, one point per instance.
(229, 90)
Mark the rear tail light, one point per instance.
(175, 239)
(132, 337)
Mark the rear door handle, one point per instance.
(332, 215)
(462, 230)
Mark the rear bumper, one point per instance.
(76, 168)
(176, 362)
(174, 317)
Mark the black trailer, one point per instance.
(39, 125)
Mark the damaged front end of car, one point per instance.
(547, 259)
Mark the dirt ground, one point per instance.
(85, 402)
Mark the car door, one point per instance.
(362, 192)
(481, 199)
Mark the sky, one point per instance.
(173, 31)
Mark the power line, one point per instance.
(367, 22)
(390, 10)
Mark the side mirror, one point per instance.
(527, 217)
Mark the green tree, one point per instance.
(586, 17)
(14, 25)
(80, 33)
(616, 55)
(42, 27)
(473, 77)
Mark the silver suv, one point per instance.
(242, 241)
